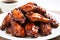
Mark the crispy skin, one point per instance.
(27, 7)
(37, 17)
(6, 22)
(31, 30)
(18, 16)
(17, 30)
(45, 29)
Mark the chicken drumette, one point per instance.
(37, 17)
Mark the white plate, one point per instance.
(55, 32)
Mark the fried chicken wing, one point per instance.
(6, 22)
(45, 29)
(37, 17)
(27, 7)
(31, 30)
(18, 16)
(17, 30)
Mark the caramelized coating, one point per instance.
(27, 7)
(6, 22)
(31, 30)
(17, 30)
(18, 16)
(37, 17)
(45, 29)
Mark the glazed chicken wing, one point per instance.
(27, 7)
(31, 30)
(37, 17)
(18, 16)
(17, 30)
(45, 29)
(6, 22)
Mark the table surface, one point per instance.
(56, 38)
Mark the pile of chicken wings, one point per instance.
(29, 20)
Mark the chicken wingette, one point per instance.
(6, 22)
(17, 29)
(17, 15)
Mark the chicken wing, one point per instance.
(18, 16)
(45, 29)
(17, 30)
(37, 17)
(6, 22)
(31, 30)
(27, 7)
